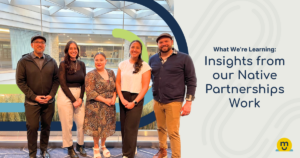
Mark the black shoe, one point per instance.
(45, 154)
(72, 153)
(81, 150)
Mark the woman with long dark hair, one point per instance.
(132, 84)
(100, 113)
(70, 105)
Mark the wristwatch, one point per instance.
(135, 102)
(189, 97)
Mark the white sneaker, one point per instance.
(125, 157)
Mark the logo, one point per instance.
(284, 144)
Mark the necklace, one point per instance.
(76, 65)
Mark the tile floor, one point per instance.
(63, 153)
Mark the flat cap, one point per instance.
(163, 35)
(36, 37)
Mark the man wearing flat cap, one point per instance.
(37, 77)
(173, 76)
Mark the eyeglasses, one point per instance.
(39, 42)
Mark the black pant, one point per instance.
(33, 114)
(130, 120)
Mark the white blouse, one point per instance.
(131, 82)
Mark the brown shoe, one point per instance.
(162, 153)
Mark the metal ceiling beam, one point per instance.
(74, 17)
(130, 13)
(82, 11)
(136, 6)
(107, 21)
(67, 2)
(141, 7)
(116, 4)
(119, 4)
(5, 1)
(31, 2)
(72, 14)
(29, 7)
(54, 9)
(79, 7)
(145, 13)
(60, 3)
(93, 4)
(120, 16)
(171, 5)
(103, 11)
(122, 5)
(20, 12)
(165, 4)
(126, 4)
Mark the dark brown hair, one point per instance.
(100, 53)
(139, 63)
(67, 59)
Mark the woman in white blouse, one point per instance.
(132, 84)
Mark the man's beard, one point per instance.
(39, 52)
(165, 51)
